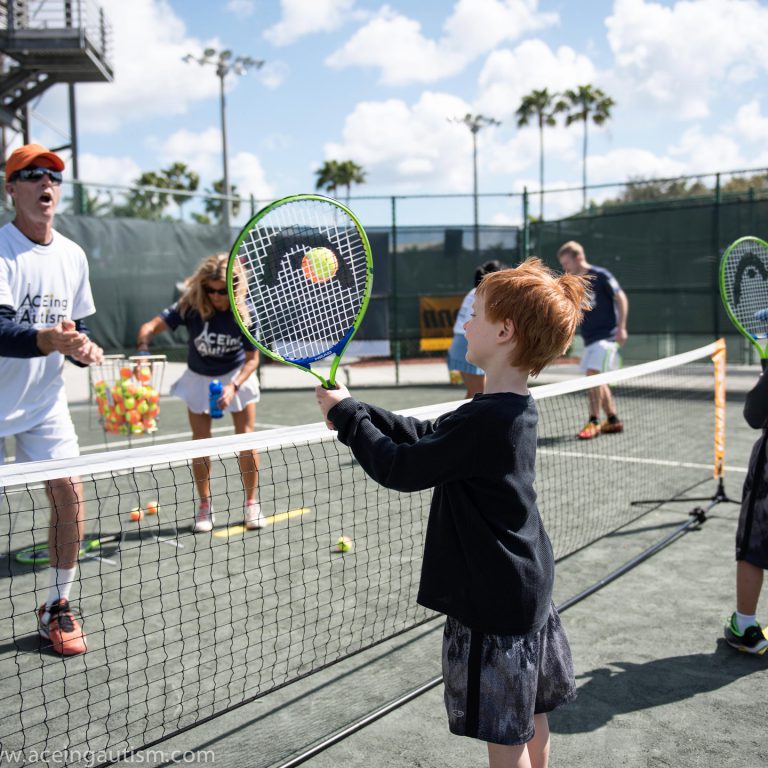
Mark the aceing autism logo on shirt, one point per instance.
(215, 344)
(42, 309)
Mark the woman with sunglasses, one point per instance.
(218, 349)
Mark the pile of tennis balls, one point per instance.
(131, 405)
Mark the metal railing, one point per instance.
(53, 15)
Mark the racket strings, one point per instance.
(746, 286)
(297, 318)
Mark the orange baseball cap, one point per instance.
(26, 155)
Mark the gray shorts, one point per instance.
(752, 531)
(495, 684)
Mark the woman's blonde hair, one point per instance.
(214, 268)
(544, 307)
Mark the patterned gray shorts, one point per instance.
(495, 684)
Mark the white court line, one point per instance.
(635, 460)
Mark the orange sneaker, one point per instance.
(611, 427)
(592, 429)
(62, 629)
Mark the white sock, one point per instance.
(743, 621)
(60, 582)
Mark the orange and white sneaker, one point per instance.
(592, 429)
(611, 426)
(61, 628)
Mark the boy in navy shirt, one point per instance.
(488, 562)
(604, 330)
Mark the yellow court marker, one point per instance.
(234, 530)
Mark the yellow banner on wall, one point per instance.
(437, 315)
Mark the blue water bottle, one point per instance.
(214, 393)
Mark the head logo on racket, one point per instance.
(744, 289)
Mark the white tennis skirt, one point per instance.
(192, 388)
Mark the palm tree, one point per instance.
(350, 173)
(146, 199)
(178, 176)
(587, 102)
(333, 174)
(544, 106)
(215, 205)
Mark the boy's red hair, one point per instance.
(544, 307)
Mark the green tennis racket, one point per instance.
(300, 276)
(40, 554)
(744, 289)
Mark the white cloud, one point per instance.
(247, 174)
(702, 153)
(750, 123)
(629, 163)
(305, 17)
(201, 151)
(394, 43)
(681, 55)
(508, 75)
(98, 169)
(409, 147)
(150, 79)
(241, 8)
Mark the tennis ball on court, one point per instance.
(137, 513)
(319, 265)
(344, 544)
(152, 508)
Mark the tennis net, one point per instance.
(182, 627)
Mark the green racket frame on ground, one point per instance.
(728, 285)
(302, 205)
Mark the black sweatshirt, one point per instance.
(756, 404)
(488, 561)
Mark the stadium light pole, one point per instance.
(475, 123)
(224, 63)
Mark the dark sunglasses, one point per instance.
(35, 174)
(219, 291)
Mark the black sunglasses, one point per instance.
(35, 174)
(219, 291)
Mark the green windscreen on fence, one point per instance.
(665, 255)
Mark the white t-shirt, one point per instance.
(465, 312)
(45, 284)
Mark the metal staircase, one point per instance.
(46, 42)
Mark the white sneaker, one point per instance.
(204, 519)
(253, 517)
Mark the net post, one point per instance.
(718, 358)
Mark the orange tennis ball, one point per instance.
(137, 513)
(152, 508)
(319, 265)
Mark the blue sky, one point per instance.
(377, 82)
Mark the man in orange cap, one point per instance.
(44, 296)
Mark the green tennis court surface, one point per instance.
(205, 632)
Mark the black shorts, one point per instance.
(752, 531)
(495, 684)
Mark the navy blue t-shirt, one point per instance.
(600, 322)
(216, 346)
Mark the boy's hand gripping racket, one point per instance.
(308, 268)
(744, 289)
